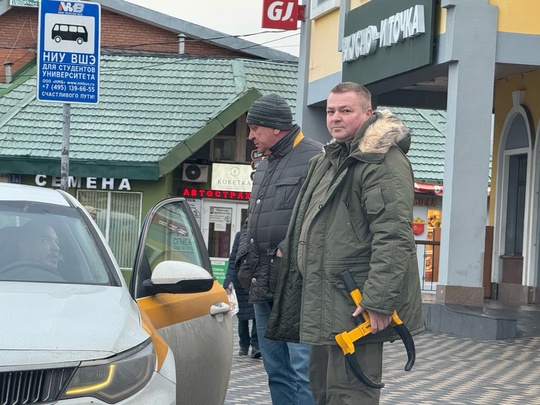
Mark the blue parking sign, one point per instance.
(68, 51)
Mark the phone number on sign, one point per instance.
(84, 88)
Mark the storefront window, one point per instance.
(431, 264)
(119, 218)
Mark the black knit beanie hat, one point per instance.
(270, 111)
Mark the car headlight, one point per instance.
(116, 378)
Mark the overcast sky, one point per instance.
(236, 17)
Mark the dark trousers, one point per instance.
(246, 338)
(332, 381)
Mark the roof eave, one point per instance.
(221, 120)
(27, 165)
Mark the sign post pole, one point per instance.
(64, 160)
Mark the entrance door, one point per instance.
(220, 222)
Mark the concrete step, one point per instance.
(471, 322)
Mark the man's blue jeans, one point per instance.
(287, 364)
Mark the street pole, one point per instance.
(64, 162)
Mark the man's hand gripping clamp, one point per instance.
(346, 339)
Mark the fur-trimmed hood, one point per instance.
(382, 131)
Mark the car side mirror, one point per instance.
(174, 277)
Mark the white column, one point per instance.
(471, 34)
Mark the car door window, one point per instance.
(169, 232)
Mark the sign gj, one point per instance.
(68, 51)
(280, 14)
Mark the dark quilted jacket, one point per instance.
(276, 184)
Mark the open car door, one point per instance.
(173, 284)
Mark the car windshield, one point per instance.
(49, 243)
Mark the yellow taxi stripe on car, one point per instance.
(169, 309)
(160, 345)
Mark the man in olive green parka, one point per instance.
(354, 213)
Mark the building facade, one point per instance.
(476, 60)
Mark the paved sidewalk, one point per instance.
(448, 370)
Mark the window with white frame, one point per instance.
(516, 147)
(119, 218)
(515, 205)
(322, 7)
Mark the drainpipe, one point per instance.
(181, 44)
(9, 75)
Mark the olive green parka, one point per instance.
(363, 225)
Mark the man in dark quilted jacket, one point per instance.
(276, 184)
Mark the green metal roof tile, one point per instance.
(428, 142)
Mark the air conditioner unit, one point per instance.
(195, 173)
